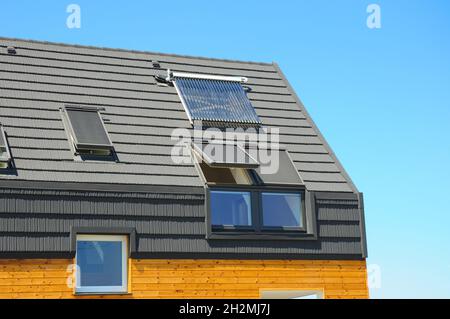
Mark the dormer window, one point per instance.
(247, 199)
(87, 131)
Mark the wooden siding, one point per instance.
(152, 278)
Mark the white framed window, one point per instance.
(5, 155)
(102, 264)
(292, 294)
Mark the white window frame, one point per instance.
(5, 158)
(104, 289)
(292, 294)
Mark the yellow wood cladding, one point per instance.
(154, 278)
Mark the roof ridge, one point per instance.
(135, 51)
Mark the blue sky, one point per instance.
(380, 97)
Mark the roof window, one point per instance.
(224, 155)
(225, 164)
(5, 155)
(87, 130)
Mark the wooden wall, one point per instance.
(150, 278)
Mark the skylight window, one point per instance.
(87, 131)
(228, 163)
(216, 169)
(5, 155)
(224, 155)
(215, 99)
(281, 170)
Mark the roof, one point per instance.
(140, 115)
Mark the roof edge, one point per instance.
(135, 51)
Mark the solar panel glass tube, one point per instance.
(216, 101)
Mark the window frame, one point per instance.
(258, 179)
(257, 231)
(281, 293)
(125, 256)
(196, 161)
(201, 154)
(6, 159)
(73, 141)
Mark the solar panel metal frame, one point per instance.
(4, 144)
(214, 163)
(86, 146)
(172, 75)
(219, 79)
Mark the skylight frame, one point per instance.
(215, 164)
(89, 147)
(6, 157)
(296, 178)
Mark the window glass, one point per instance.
(281, 209)
(101, 263)
(87, 131)
(88, 127)
(280, 170)
(230, 208)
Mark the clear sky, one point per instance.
(381, 97)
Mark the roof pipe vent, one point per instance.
(11, 50)
(169, 77)
(163, 80)
(156, 64)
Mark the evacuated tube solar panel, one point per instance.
(88, 129)
(216, 101)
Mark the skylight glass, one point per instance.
(87, 130)
(281, 170)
